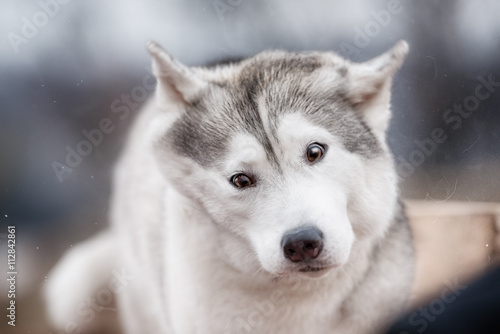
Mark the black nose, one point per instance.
(304, 243)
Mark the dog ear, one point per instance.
(370, 85)
(176, 82)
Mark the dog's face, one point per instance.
(285, 152)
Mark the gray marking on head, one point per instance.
(285, 82)
(257, 79)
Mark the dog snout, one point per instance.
(302, 244)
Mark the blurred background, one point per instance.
(67, 65)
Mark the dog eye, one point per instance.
(315, 152)
(242, 181)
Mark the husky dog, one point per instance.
(253, 197)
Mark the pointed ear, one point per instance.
(369, 87)
(176, 82)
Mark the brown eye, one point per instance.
(242, 181)
(315, 152)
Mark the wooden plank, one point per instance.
(454, 241)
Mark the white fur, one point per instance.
(82, 271)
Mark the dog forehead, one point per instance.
(253, 99)
(230, 107)
(244, 151)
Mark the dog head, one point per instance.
(285, 152)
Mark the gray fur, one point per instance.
(284, 81)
